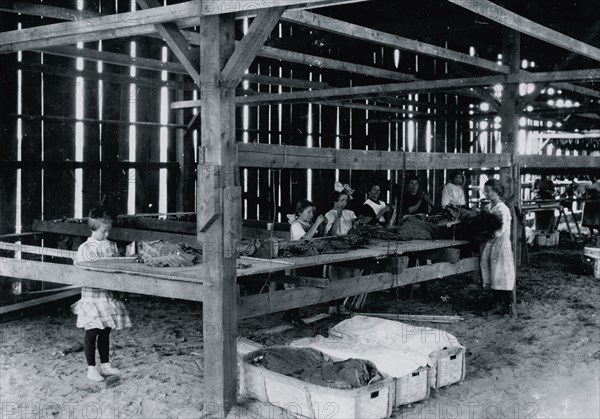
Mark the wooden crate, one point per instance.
(309, 400)
(547, 239)
(448, 367)
(412, 388)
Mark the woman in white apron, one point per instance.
(497, 260)
(378, 211)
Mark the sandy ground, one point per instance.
(544, 364)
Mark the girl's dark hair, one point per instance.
(337, 195)
(411, 177)
(99, 216)
(496, 186)
(302, 205)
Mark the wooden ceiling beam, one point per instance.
(371, 91)
(351, 30)
(521, 24)
(140, 22)
(179, 45)
(113, 58)
(246, 50)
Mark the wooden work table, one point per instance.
(188, 282)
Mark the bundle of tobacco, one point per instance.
(411, 228)
(416, 229)
(159, 253)
(320, 246)
(479, 227)
(375, 232)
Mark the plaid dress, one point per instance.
(497, 261)
(98, 308)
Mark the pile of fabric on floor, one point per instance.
(313, 366)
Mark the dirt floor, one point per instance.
(543, 364)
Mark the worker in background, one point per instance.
(415, 200)
(453, 193)
(591, 208)
(544, 189)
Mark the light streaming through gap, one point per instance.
(132, 99)
(164, 139)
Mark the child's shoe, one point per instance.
(107, 369)
(94, 375)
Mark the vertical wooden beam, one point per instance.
(185, 157)
(219, 218)
(511, 177)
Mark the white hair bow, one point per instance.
(338, 187)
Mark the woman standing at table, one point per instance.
(497, 261)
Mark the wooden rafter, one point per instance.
(416, 87)
(340, 27)
(562, 64)
(246, 50)
(514, 21)
(178, 43)
(139, 22)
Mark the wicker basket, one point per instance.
(546, 239)
(301, 398)
(591, 260)
(449, 367)
(413, 387)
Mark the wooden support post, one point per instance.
(219, 215)
(511, 177)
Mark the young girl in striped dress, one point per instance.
(98, 311)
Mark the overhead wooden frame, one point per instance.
(140, 22)
(521, 24)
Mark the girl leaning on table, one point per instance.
(339, 222)
(497, 261)
(302, 228)
(98, 311)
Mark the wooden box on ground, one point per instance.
(546, 239)
(310, 400)
(449, 367)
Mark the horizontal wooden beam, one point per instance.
(562, 162)
(586, 91)
(140, 22)
(298, 157)
(93, 121)
(116, 233)
(113, 58)
(69, 165)
(53, 12)
(38, 250)
(39, 301)
(330, 63)
(283, 81)
(521, 24)
(371, 91)
(72, 275)
(257, 305)
(351, 30)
